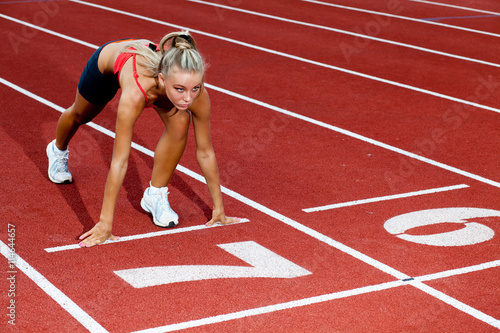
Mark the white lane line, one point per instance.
(289, 56)
(458, 7)
(345, 32)
(340, 295)
(47, 31)
(404, 18)
(384, 198)
(64, 301)
(359, 137)
(459, 271)
(272, 308)
(143, 236)
(456, 304)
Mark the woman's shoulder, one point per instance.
(111, 51)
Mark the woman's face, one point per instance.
(182, 87)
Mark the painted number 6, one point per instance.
(472, 233)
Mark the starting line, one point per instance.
(142, 236)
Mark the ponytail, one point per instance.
(178, 49)
(180, 40)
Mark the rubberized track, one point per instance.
(329, 119)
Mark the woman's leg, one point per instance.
(81, 112)
(167, 155)
(170, 147)
(78, 114)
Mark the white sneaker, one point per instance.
(157, 204)
(58, 165)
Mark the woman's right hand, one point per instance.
(97, 235)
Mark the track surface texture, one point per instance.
(358, 140)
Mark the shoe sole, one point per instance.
(171, 224)
(67, 181)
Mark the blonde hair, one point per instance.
(178, 49)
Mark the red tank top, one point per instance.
(122, 59)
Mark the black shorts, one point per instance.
(94, 86)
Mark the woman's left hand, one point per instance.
(220, 217)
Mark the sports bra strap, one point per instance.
(136, 76)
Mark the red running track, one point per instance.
(278, 163)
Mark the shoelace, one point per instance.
(61, 163)
(163, 193)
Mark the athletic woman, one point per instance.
(168, 77)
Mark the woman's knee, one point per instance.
(83, 111)
(178, 128)
(81, 119)
(82, 114)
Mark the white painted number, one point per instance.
(471, 233)
(265, 264)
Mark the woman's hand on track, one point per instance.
(97, 235)
(220, 217)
